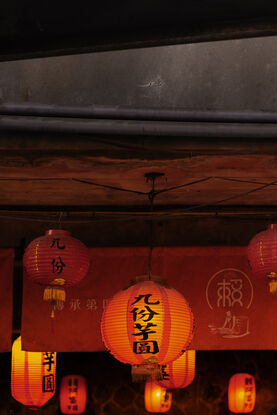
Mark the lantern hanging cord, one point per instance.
(60, 220)
(151, 196)
(150, 240)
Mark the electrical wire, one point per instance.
(169, 189)
(234, 196)
(153, 193)
(121, 189)
(232, 179)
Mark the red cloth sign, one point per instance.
(6, 298)
(232, 308)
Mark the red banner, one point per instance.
(232, 308)
(6, 298)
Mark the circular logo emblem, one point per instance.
(229, 288)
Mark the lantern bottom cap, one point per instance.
(273, 287)
(54, 294)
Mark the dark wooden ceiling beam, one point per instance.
(31, 29)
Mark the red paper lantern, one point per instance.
(179, 373)
(147, 323)
(56, 260)
(156, 398)
(73, 394)
(33, 377)
(241, 393)
(262, 255)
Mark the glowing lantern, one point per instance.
(262, 255)
(56, 260)
(241, 393)
(179, 373)
(156, 398)
(73, 394)
(147, 323)
(33, 378)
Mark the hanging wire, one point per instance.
(232, 197)
(60, 220)
(151, 195)
(120, 189)
(150, 241)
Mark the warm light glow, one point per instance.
(241, 393)
(56, 258)
(33, 377)
(262, 256)
(156, 398)
(179, 373)
(147, 323)
(73, 394)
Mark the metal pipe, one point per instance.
(127, 113)
(138, 128)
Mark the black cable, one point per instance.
(151, 195)
(232, 179)
(231, 197)
(157, 192)
(108, 186)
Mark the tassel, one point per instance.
(54, 294)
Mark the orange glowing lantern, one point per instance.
(56, 260)
(262, 255)
(179, 373)
(73, 394)
(33, 378)
(147, 323)
(241, 393)
(156, 398)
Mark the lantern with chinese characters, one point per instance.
(56, 260)
(179, 373)
(73, 394)
(262, 256)
(156, 398)
(147, 323)
(241, 393)
(33, 378)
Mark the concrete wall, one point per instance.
(229, 75)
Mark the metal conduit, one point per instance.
(138, 128)
(127, 113)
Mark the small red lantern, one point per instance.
(179, 373)
(56, 260)
(73, 394)
(156, 398)
(241, 393)
(262, 255)
(147, 323)
(33, 377)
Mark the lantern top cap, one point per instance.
(242, 374)
(153, 278)
(272, 226)
(57, 232)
